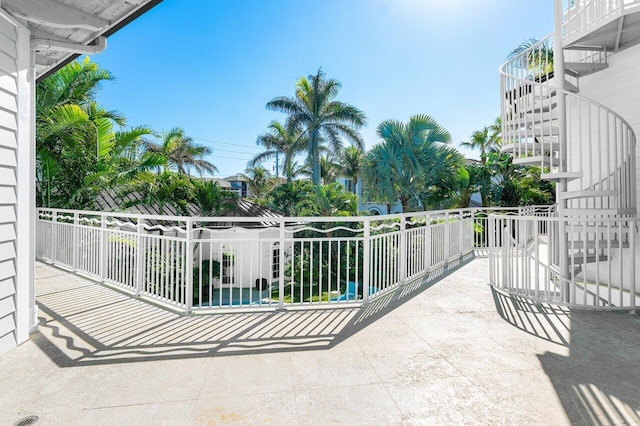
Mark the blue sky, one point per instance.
(210, 66)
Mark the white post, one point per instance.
(558, 72)
(189, 267)
(403, 251)
(281, 260)
(103, 247)
(140, 257)
(366, 260)
(76, 224)
(632, 278)
(54, 237)
(447, 238)
(427, 246)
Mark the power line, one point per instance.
(225, 143)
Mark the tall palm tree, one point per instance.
(181, 152)
(280, 139)
(351, 164)
(329, 168)
(320, 117)
(409, 162)
(483, 141)
(260, 183)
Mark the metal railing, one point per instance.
(525, 259)
(585, 15)
(203, 264)
(599, 153)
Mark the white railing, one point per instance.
(600, 145)
(601, 261)
(200, 264)
(585, 15)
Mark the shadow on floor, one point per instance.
(599, 381)
(85, 323)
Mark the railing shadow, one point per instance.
(91, 324)
(598, 382)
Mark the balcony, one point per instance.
(447, 352)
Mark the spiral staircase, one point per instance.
(583, 146)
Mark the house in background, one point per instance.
(239, 184)
(36, 38)
(571, 105)
(372, 208)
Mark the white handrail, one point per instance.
(309, 260)
(584, 15)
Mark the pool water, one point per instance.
(236, 297)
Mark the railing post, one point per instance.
(403, 251)
(461, 234)
(447, 238)
(76, 223)
(103, 247)
(366, 261)
(428, 241)
(140, 256)
(490, 242)
(281, 260)
(189, 267)
(632, 244)
(54, 237)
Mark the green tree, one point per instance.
(329, 200)
(260, 183)
(351, 164)
(320, 117)
(180, 152)
(287, 199)
(280, 139)
(411, 163)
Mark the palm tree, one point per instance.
(538, 61)
(351, 164)
(320, 117)
(280, 139)
(411, 162)
(484, 141)
(260, 183)
(329, 169)
(181, 152)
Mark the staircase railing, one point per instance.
(584, 14)
(600, 144)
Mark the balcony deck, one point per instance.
(447, 352)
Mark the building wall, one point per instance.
(16, 184)
(618, 88)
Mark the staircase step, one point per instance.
(579, 69)
(556, 177)
(531, 147)
(588, 193)
(537, 160)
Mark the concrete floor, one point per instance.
(447, 352)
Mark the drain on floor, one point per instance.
(26, 421)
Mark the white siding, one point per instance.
(16, 177)
(618, 87)
(8, 182)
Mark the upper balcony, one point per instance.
(608, 24)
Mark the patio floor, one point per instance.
(446, 352)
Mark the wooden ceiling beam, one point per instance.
(53, 14)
